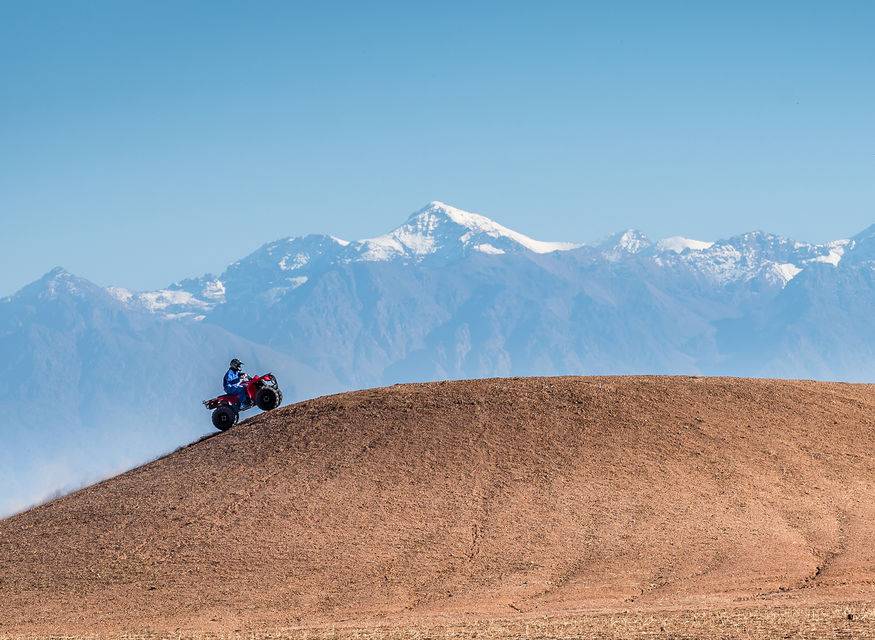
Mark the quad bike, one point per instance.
(262, 391)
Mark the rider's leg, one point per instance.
(240, 390)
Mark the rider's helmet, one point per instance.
(236, 365)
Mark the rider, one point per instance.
(234, 382)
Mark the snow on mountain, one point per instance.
(168, 299)
(440, 227)
(624, 244)
(214, 290)
(488, 249)
(679, 244)
(439, 230)
(282, 266)
(187, 299)
(55, 284)
(121, 294)
(786, 271)
(294, 254)
(757, 255)
(860, 248)
(836, 250)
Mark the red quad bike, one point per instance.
(263, 392)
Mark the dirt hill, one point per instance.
(464, 502)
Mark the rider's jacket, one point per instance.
(231, 380)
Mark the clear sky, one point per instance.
(142, 142)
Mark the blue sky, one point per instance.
(142, 142)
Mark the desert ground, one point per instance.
(616, 507)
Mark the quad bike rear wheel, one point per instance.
(268, 398)
(225, 417)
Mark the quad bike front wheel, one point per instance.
(268, 398)
(225, 417)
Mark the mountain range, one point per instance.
(101, 378)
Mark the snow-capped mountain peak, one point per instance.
(439, 227)
(624, 243)
(58, 283)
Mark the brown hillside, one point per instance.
(469, 501)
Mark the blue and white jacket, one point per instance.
(231, 381)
